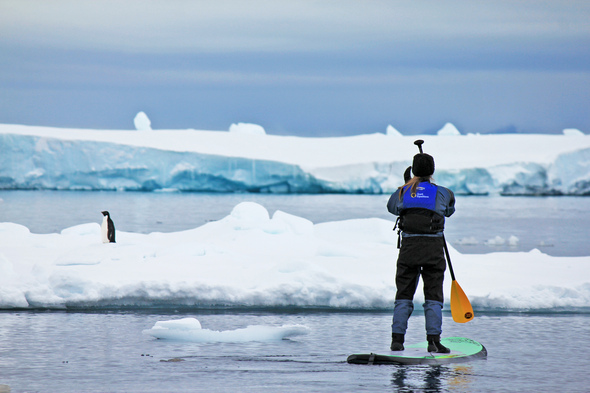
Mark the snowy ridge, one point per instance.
(189, 160)
(249, 259)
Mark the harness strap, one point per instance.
(399, 235)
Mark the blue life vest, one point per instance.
(419, 215)
(424, 197)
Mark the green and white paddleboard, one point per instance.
(462, 350)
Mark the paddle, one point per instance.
(461, 309)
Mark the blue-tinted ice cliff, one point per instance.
(208, 161)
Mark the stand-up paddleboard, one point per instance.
(462, 350)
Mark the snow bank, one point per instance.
(189, 160)
(250, 259)
(189, 329)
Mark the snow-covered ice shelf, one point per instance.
(250, 160)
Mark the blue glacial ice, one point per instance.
(31, 161)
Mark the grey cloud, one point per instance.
(149, 26)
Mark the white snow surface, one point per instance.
(247, 160)
(249, 259)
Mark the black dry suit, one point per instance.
(421, 221)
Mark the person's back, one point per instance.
(422, 207)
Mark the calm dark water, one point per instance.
(107, 352)
(81, 352)
(555, 225)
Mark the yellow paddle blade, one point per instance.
(461, 309)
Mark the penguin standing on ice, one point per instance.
(107, 228)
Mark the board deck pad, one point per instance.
(462, 350)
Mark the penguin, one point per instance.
(107, 228)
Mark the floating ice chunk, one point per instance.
(448, 129)
(468, 241)
(392, 131)
(247, 128)
(179, 324)
(513, 241)
(572, 132)
(497, 241)
(142, 122)
(189, 329)
(344, 265)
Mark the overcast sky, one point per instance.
(314, 68)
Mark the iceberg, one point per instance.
(142, 122)
(391, 131)
(250, 259)
(247, 128)
(248, 160)
(572, 132)
(448, 129)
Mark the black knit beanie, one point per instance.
(423, 165)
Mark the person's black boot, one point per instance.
(397, 342)
(434, 344)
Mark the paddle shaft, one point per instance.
(448, 258)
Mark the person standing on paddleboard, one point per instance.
(422, 207)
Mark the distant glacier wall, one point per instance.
(36, 162)
(31, 162)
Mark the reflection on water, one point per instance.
(432, 378)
